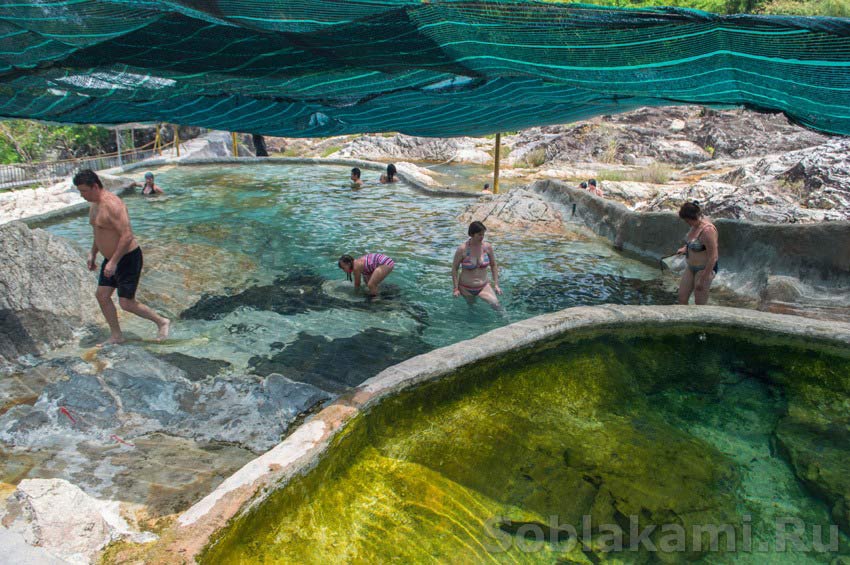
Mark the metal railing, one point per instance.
(22, 174)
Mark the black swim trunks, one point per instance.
(127, 274)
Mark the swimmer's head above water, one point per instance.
(346, 263)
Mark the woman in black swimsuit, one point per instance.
(700, 251)
(150, 188)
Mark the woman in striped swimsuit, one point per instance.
(374, 267)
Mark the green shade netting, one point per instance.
(441, 68)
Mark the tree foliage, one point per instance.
(24, 141)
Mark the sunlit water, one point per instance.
(224, 229)
(515, 459)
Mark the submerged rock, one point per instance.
(298, 292)
(814, 435)
(196, 368)
(588, 289)
(46, 292)
(336, 365)
(290, 294)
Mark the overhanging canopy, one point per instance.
(441, 68)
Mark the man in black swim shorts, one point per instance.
(122, 264)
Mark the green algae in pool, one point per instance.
(550, 455)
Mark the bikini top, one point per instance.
(695, 244)
(483, 261)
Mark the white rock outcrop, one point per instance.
(57, 516)
(518, 208)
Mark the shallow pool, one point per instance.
(247, 255)
(652, 446)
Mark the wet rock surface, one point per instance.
(132, 393)
(518, 209)
(46, 293)
(336, 365)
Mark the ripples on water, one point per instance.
(223, 230)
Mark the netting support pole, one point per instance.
(496, 156)
(177, 139)
(118, 143)
(156, 141)
(235, 146)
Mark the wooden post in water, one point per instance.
(496, 166)
(156, 141)
(177, 139)
(235, 146)
(118, 143)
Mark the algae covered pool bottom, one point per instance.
(628, 447)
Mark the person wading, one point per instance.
(122, 264)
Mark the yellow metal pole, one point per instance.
(496, 167)
(156, 141)
(177, 139)
(235, 146)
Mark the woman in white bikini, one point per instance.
(700, 251)
(474, 257)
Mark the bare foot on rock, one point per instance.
(164, 327)
(113, 340)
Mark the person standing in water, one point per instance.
(150, 188)
(122, 264)
(389, 176)
(373, 267)
(474, 257)
(355, 177)
(701, 252)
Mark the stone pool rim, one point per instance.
(329, 161)
(298, 453)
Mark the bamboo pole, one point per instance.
(496, 166)
(118, 143)
(157, 142)
(235, 146)
(177, 139)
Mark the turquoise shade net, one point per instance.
(441, 68)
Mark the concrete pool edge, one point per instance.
(361, 163)
(816, 254)
(302, 450)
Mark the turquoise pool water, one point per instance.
(225, 230)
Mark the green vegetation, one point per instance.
(331, 150)
(24, 141)
(534, 158)
(835, 8)
(656, 173)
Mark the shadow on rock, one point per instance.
(588, 289)
(336, 365)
